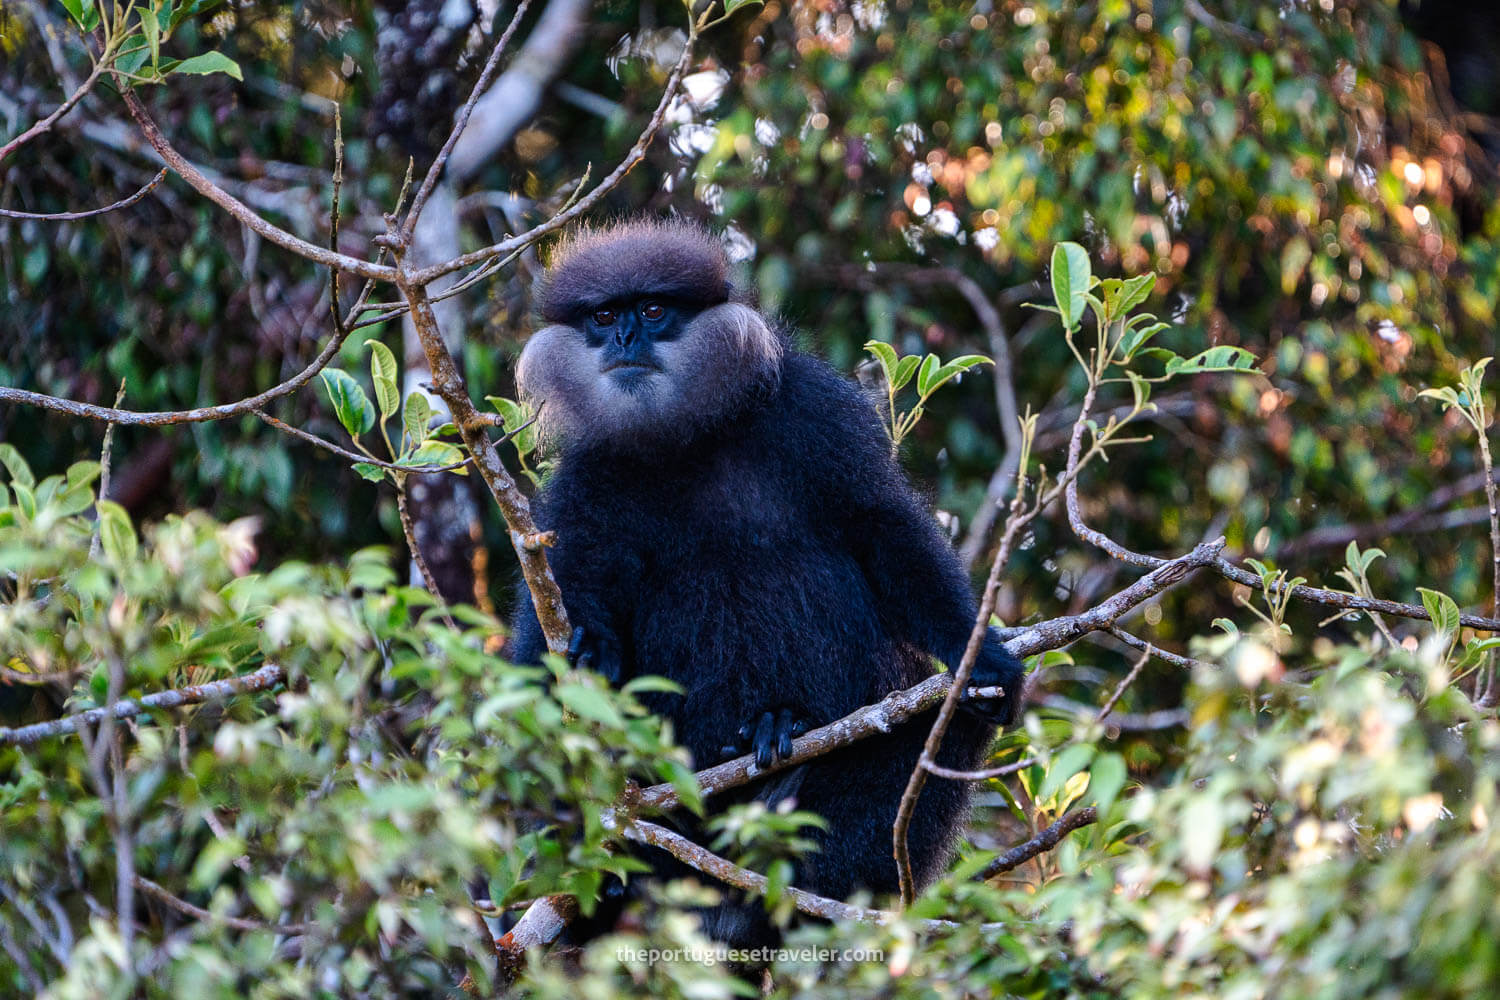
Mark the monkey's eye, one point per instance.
(653, 310)
(605, 317)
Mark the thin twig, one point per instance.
(1114, 698)
(326, 445)
(90, 213)
(1235, 574)
(258, 680)
(460, 121)
(105, 451)
(701, 859)
(983, 775)
(635, 155)
(410, 531)
(1042, 842)
(46, 123)
(1166, 656)
(161, 894)
(247, 216)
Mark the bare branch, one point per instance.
(181, 905)
(460, 121)
(247, 216)
(410, 531)
(259, 680)
(703, 860)
(1042, 842)
(1135, 642)
(636, 154)
(157, 418)
(46, 123)
(69, 216)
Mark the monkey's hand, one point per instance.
(768, 735)
(589, 650)
(996, 685)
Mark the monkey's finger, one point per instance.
(765, 740)
(784, 726)
(743, 734)
(585, 660)
(575, 645)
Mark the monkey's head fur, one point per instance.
(715, 356)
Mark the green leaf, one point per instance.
(1216, 359)
(416, 415)
(83, 13)
(1140, 390)
(1446, 395)
(1070, 281)
(152, 30)
(350, 404)
(730, 6)
(905, 369)
(647, 683)
(384, 373)
(1106, 779)
(1442, 609)
(1068, 762)
(885, 354)
(1135, 337)
(1474, 651)
(1132, 293)
(373, 473)
(590, 703)
(15, 465)
(130, 60)
(209, 63)
(116, 533)
(83, 473)
(434, 453)
(926, 373)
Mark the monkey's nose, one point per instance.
(625, 332)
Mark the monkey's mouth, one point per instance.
(638, 366)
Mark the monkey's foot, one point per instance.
(768, 735)
(588, 650)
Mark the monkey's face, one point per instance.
(630, 339)
(643, 369)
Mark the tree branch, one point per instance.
(259, 680)
(46, 123)
(245, 215)
(701, 859)
(89, 213)
(1042, 842)
(637, 153)
(460, 121)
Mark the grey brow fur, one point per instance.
(724, 356)
(591, 267)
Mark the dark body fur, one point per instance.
(777, 557)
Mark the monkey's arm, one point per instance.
(921, 589)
